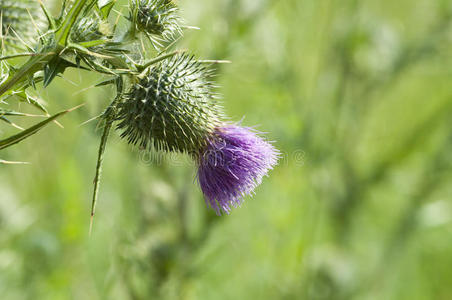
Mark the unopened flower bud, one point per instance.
(172, 107)
(156, 17)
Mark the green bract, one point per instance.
(172, 107)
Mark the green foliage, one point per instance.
(356, 94)
(82, 34)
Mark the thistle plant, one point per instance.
(166, 100)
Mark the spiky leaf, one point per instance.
(105, 7)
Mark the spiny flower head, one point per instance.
(233, 165)
(172, 107)
(156, 17)
(90, 29)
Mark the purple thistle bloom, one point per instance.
(232, 166)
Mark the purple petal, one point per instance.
(233, 165)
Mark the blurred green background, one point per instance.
(357, 95)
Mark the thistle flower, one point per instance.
(156, 17)
(233, 165)
(167, 102)
(172, 107)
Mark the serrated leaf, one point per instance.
(54, 67)
(51, 69)
(100, 158)
(32, 130)
(20, 75)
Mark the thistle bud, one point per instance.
(172, 107)
(90, 29)
(156, 17)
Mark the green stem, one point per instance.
(157, 59)
(63, 32)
